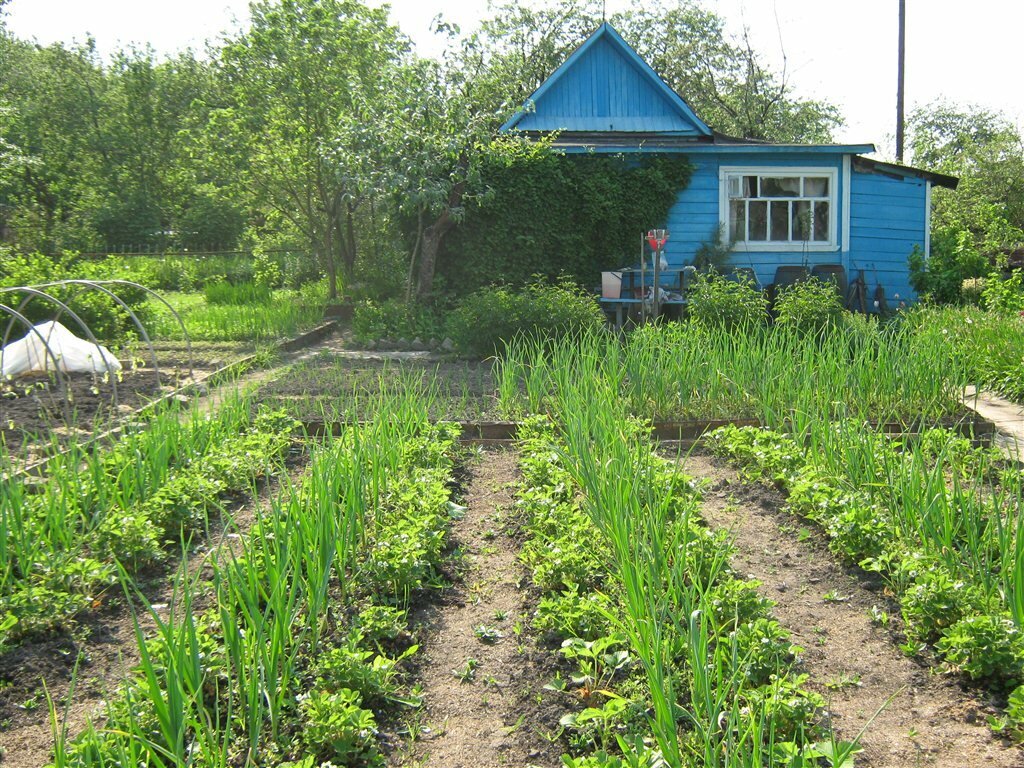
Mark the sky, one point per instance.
(840, 50)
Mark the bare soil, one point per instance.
(497, 718)
(330, 380)
(34, 407)
(921, 716)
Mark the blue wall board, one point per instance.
(888, 219)
(605, 86)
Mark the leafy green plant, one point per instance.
(985, 647)
(370, 674)
(1012, 722)
(395, 319)
(954, 258)
(574, 613)
(483, 321)
(810, 306)
(716, 302)
(487, 635)
(336, 726)
(467, 672)
(1001, 295)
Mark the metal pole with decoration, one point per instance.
(656, 239)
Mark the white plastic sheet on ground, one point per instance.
(28, 354)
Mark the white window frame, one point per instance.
(799, 246)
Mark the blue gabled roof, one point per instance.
(605, 86)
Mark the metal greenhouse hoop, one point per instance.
(98, 285)
(61, 376)
(36, 293)
(172, 310)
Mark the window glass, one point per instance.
(749, 186)
(801, 220)
(779, 215)
(821, 220)
(816, 186)
(738, 220)
(780, 186)
(758, 220)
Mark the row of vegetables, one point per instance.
(937, 517)
(284, 645)
(65, 538)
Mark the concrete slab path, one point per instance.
(1007, 416)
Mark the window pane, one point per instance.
(737, 220)
(758, 220)
(816, 186)
(780, 186)
(779, 220)
(821, 227)
(750, 186)
(801, 220)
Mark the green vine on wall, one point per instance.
(549, 214)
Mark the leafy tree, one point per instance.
(984, 149)
(56, 94)
(725, 81)
(307, 86)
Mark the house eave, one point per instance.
(625, 142)
(900, 171)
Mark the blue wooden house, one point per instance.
(781, 205)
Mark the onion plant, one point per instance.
(240, 681)
(671, 574)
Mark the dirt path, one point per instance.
(855, 664)
(486, 714)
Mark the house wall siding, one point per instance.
(604, 91)
(886, 220)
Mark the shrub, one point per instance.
(106, 319)
(716, 302)
(954, 258)
(810, 306)
(394, 319)
(491, 316)
(1004, 295)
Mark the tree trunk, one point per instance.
(329, 265)
(350, 241)
(433, 236)
(409, 285)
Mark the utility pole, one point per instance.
(899, 80)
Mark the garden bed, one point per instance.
(33, 412)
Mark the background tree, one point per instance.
(984, 149)
(978, 223)
(306, 87)
(724, 79)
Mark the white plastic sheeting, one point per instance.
(28, 354)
